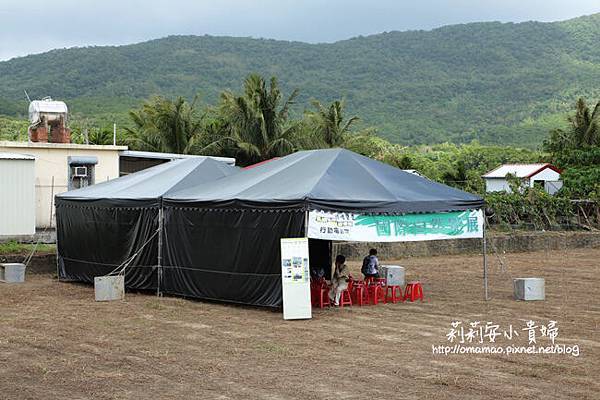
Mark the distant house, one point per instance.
(546, 176)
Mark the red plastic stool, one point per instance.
(413, 291)
(315, 290)
(314, 293)
(393, 293)
(345, 298)
(376, 294)
(323, 299)
(360, 294)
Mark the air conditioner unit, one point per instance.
(80, 172)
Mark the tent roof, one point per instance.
(155, 182)
(332, 179)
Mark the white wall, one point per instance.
(17, 197)
(52, 170)
(496, 185)
(545, 175)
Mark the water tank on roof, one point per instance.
(50, 109)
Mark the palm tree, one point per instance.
(584, 124)
(100, 136)
(583, 131)
(255, 123)
(328, 123)
(166, 126)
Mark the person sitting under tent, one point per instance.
(370, 265)
(339, 281)
(317, 273)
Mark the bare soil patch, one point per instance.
(57, 343)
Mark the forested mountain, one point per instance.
(500, 83)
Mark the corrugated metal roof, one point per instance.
(16, 156)
(171, 156)
(519, 170)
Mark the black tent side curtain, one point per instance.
(231, 255)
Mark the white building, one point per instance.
(60, 167)
(17, 194)
(63, 166)
(546, 176)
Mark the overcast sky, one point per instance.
(33, 26)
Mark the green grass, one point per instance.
(13, 247)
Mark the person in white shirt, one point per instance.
(339, 281)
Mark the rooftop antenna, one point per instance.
(29, 127)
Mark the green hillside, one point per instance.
(502, 83)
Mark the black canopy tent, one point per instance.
(101, 226)
(222, 241)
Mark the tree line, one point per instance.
(256, 124)
(253, 125)
(261, 122)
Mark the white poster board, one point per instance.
(295, 278)
(395, 228)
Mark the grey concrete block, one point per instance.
(12, 272)
(530, 289)
(394, 274)
(107, 288)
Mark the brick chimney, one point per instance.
(39, 134)
(60, 135)
(48, 120)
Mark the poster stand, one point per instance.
(295, 278)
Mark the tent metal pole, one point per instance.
(306, 223)
(160, 246)
(485, 267)
(57, 256)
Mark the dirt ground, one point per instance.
(57, 343)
